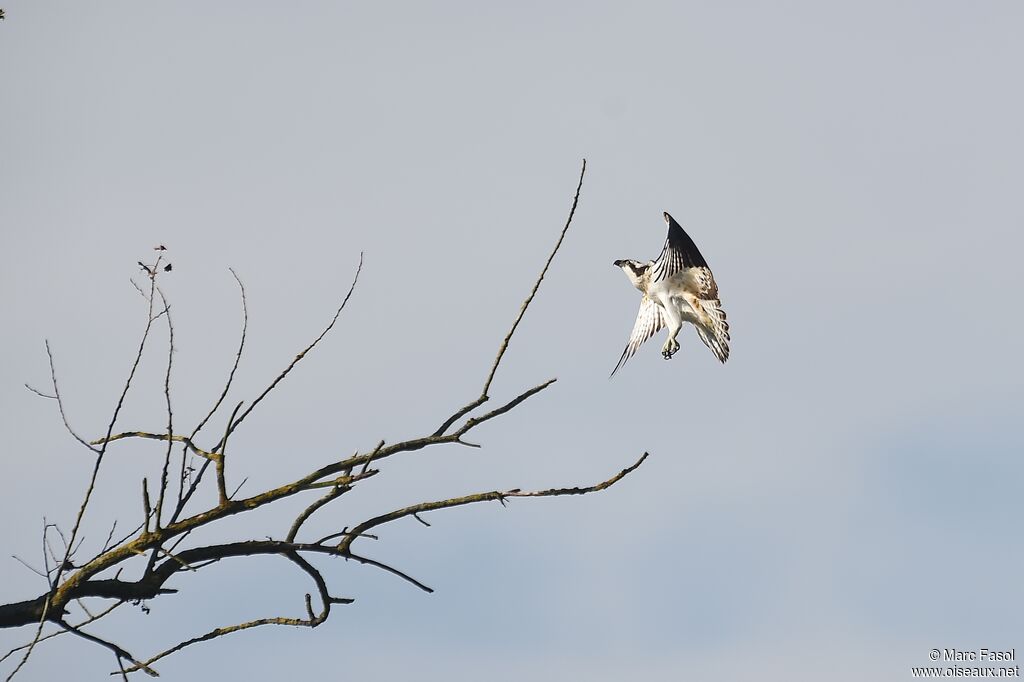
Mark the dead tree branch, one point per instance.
(165, 541)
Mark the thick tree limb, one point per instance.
(152, 585)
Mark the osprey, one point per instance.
(677, 288)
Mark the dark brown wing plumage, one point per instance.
(678, 253)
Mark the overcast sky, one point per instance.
(841, 497)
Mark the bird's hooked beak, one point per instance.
(618, 263)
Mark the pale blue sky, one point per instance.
(840, 498)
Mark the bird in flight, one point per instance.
(678, 287)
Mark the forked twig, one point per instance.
(484, 397)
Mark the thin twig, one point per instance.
(529, 299)
(28, 566)
(170, 412)
(484, 397)
(40, 393)
(183, 497)
(553, 492)
(237, 488)
(366, 464)
(118, 651)
(81, 605)
(459, 414)
(332, 495)
(301, 355)
(334, 536)
(60, 400)
(110, 535)
(492, 496)
(238, 356)
(390, 569)
(510, 405)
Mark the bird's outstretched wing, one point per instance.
(679, 253)
(649, 321)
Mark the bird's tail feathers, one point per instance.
(715, 333)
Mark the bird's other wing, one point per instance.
(679, 253)
(649, 321)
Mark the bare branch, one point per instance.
(389, 569)
(118, 651)
(492, 496)
(237, 488)
(373, 454)
(301, 355)
(510, 405)
(29, 566)
(552, 492)
(459, 414)
(311, 621)
(147, 509)
(40, 393)
(335, 536)
(183, 496)
(186, 440)
(160, 540)
(110, 428)
(59, 399)
(58, 633)
(529, 299)
(334, 494)
(238, 357)
(484, 397)
(218, 458)
(170, 412)
(110, 535)
(95, 471)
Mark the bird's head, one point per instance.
(634, 269)
(630, 264)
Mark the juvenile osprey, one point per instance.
(677, 288)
